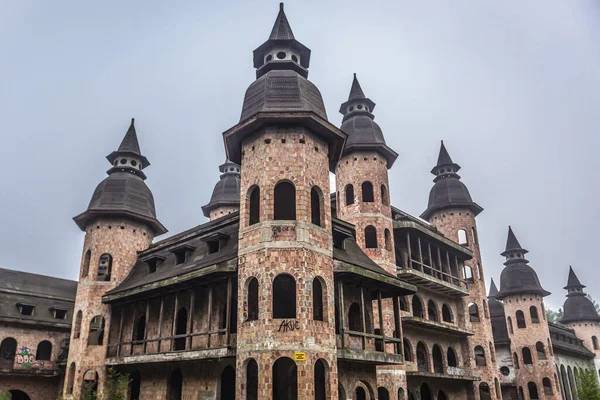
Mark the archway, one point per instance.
(320, 372)
(360, 393)
(19, 395)
(228, 383)
(252, 380)
(425, 392)
(285, 379)
(175, 387)
(134, 385)
(382, 393)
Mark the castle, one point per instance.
(289, 292)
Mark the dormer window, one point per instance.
(215, 241)
(153, 263)
(26, 309)
(182, 253)
(59, 313)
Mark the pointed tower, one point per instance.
(579, 314)
(523, 298)
(452, 211)
(119, 221)
(225, 198)
(285, 146)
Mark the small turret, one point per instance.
(226, 194)
(518, 277)
(448, 190)
(578, 307)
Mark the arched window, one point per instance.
(473, 312)
(85, 268)
(534, 315)
(382, 393)
(316, 205)
(285, 379)
(541, 351)
(96, 336)
(547, 386)
(77, 325)
(140, 328)
(254, 205)
(492, 352)
(228, 383)
(175, 386)
(252, 380)
(521, 320)
(384, 195)
(367, 192)
(510, 327)
(462, 237)
(441, 395)
(360, 393)
(521, 394)
(135, 383)
(253, 299)
(90, 385)
(595, 342)
(422, 358)
(432, 311)
(317, 300)
(8, 349)
(388, 240)
(284, 202)
(533, 392)
(284, 296)
(425, 392)
(180, 329)
(484, 391)
(451, 358)
(417, 307)
(44, 351)
(104, 267)
(480, 356)
(349, 195)
(516, 360)
(320, 380)
(408, 354)
(354, 318)
(446, 314)
(469, 273)
(404, 304)
(474, 234)
(527, 356)
(401, 394)
(485, 309)
(370, 237)
(498, 390)
(438, 363)
(70, 378)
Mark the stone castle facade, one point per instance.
(289, 292)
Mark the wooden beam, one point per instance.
(397, 327)
(364, 318)
(132, 331)
(210, 296)
(228, 312)
(160, 320)
(341, 311)
(409, 250)
(120, 331)
(146, 326)
(380, 307)
(190, 327)
(174, 327)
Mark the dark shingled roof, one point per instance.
(129, 145)
(564, 340)
(578, 307)
(518, 277)
(227, 190)
(448, 191)
(281, 29)
(497, 316)
(46, 293)
(364, 134)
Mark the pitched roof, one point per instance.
(512, 243)
(444, 157)
(130, 141)
(573, 281)
(493, 289)
(356, 91)
(281, 29)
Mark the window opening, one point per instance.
(284, 296)
(285, 201)
(367, 192)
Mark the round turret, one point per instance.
(578, 307)
(226, 194)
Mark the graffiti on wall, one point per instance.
(25, 358)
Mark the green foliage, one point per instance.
(88, 391)
(117, 385)
(587, 385)
(554, 316)
(5, 396)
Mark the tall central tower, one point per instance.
(285, 146)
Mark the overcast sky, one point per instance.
(512, 88)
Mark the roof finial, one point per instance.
(281, 6)
(132, 121)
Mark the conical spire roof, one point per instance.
(129, 146)
(444, 157)
(493, 289)
(512, 244)
(573, 282)
(356, 91)
(281, 29)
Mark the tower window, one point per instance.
(510, 326)
(521, 320)
(541, 351)
(367, 192)
(269, 58)
(104, 267)
(534, 315)
(26, 309)
(254, 205)
(533, 392)
(480, 356)
(388, 240)
(77, 325)
(547, 386)
(462, 237)
(96, 335)
(317, 299)
(527, 356)
(516, 360)
(370, 237)
(281, 55)
(384, 195)
(595, 342)
(316, 205)
(252, 380)
(294, 58)
(473, 312)
(349, 195)
(285, 201)
(44, 351)
(85, 268)
(252, 299)
(469, 273)
(284, 296)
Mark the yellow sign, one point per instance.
(299, 356)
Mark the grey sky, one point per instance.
(512, 87)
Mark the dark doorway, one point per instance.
(252, 380)
(18, 395)
(320, 393)
(228, 383)
(175, 385)
(425, 392)
(180, 329)
(360, 394)
(134, 385)
(285, 379)
(383, 394)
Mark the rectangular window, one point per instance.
(59, 314)
(26, 309)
